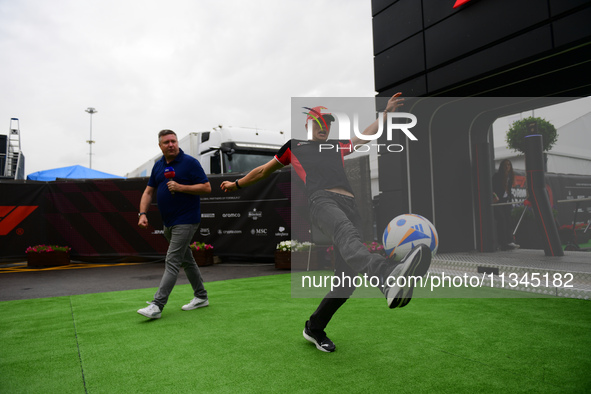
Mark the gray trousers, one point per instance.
(337, 217)
(179, 255)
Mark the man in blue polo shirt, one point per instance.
(178, 180)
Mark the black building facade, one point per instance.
(464, 67)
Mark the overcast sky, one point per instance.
(186, 65)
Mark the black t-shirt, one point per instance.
(319, 165)
(500, 189)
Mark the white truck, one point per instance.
(225, 150)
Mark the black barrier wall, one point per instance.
(249, 223)
(98, 219)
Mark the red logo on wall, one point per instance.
(12, 216)
(460, 3)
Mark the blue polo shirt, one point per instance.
(178, 208)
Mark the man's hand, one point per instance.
(143, 221)
(228, 186)
(394, 103)
(173, 186)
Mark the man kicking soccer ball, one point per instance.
(333, 211)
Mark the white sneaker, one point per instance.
(195, 303)
(152, 311)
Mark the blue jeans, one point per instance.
(179, 255)
(337, 217)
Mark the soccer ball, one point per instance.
(406, 231)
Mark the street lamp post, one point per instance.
(91, 111)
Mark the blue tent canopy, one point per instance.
(72, 172)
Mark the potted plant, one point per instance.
(202, 253)
(283, 254)
(301, 254)
(528, 126)
(294, 254)
(47, 255)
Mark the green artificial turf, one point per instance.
(250, 340)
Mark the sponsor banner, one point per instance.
(249, 223)
(98, 219)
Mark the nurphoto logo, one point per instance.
(345, 130)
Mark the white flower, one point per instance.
(284, 246)
(304, 246)
(293, 246)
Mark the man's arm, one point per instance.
(254, 176)
(373, 128)
(198, 188)
(145, 202)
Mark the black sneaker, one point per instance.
(415, 264)
(320, 340)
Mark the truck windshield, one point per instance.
(244, 161)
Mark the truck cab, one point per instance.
(234, 150)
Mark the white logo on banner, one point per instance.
(254, 214)
(230, 215)
(282, 232)
(229, 232)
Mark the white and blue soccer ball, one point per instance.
(406, 231)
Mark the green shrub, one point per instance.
(520, 129)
